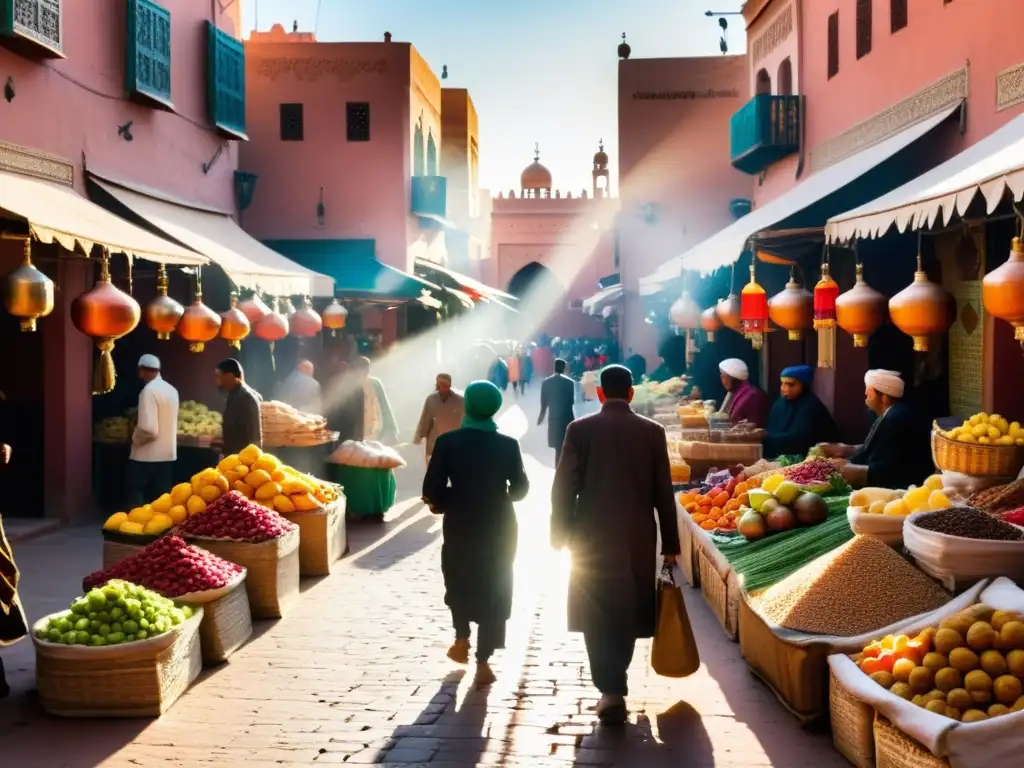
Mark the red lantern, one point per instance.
(254, 309)
(334, 317)
(710, 323)
(273, 327)
(163, 312)
(825, 294)
(234, 325)
(305, 322)
(754, 311)
(199, 324)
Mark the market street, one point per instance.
(356, 673)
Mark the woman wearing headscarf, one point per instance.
(798, 420)
(472, 479)
(743, 401)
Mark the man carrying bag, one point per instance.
(674, 650)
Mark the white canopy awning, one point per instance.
(725, 247)
(990, 167)
(592, 305)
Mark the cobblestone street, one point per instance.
(356, 673)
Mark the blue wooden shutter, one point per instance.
(148, 66)
(225, 82)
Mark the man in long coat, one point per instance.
(557, 396)
(442, 412)
(613, 474)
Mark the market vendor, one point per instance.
(798, 420)
(897, 451)
(243, 422)
(743, 401)
(154, 449)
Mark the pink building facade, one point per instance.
(676, 183)
(80, 92)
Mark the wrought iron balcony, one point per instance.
(763, 131)
(430, 197)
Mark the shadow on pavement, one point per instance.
(406, 541)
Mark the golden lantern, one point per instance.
(254, 309)
(28, 293)
(922, 309)
(163, 312)
(334, 317)
(684, 313)
(792, 308)
(273, 327)
(1002, 290)
(861, 310)
(728, 311)
(710, 323)
(105, 313)
(234, 325)
(754, 311)
(305, 322)
(199, 325)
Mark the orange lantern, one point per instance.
(163, 312)
(334, 317)
(273, 327)
(305, 322)
(199, 324)
(1002, 290)
(922, 309)
(105, 313)
(792, 308)
(754, 311)
(728, 311)
(861, 310)
(234, 325)
(286, 307)
(684, 313)
(710, 323)
(254, 309)
(28, 293)
(825, 294)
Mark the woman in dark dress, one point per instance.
(798, 420)
(473, 477)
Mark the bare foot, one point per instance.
(484, 675)
(459, 652)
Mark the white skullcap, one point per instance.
(149, 361)
(886, 382)
(734, 367)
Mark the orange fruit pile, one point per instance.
(717, 510)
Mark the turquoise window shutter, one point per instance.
(148, 66)
(225, 82)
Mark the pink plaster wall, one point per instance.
(771, 39)
(674, 153)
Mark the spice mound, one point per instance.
(968, 523)
(860, 587)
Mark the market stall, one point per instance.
(366, 470)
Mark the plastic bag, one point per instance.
(954, 560)
(674, 651)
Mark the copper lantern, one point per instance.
(254, 309)
(728, 311)
(234, 325)
(199, 324)
(28, 294)
(684, 313)
(273, 327)
(754, 311)
(922, 309)
(285, 307)
(334, 317)
(1002, 290)
(710, 323)
(305, 322)
(825, 294)
(105, 313)
(792, 309)
(163, 313)
(861, 310)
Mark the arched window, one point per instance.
(764, 83)
(784, 79)
(431, 154)
(417, 150)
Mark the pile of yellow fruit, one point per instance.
(883, 501)
(986, 429)
(256, 475)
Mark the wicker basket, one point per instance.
(323, 538)
(687, 547)
(894, 749)
(976, 460)
(141, 679)
(852, 725)
(226, 625)
(716, 590)
(272, 580)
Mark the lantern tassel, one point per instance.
(236, 344)
(104, 375)
(273, 362)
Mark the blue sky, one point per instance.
(538, 70)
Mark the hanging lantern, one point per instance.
(163, 312)
(728, 311)
(106, 313)
(1002, 290)
(286, 308)
(922, 309)
(861, 310)
(825, 294)
(792, 308)
(234, 325)
(710, 323)
(254, 309)
(28, 294)
(754, 311)
(305, 322)
(199, 324)
(334, 317)
(684, 313)
(273, 327)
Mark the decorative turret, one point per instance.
(624, 49)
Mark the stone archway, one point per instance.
(532, 278)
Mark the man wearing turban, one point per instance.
(743, 401)
(798, 420)
(897, 451)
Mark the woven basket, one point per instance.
(894, 749)
(715, 588)
(976, 460)
(226, 625)
(141, 679)
(852, 725)
(323, 538)
(272, 580)
(114, 552)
